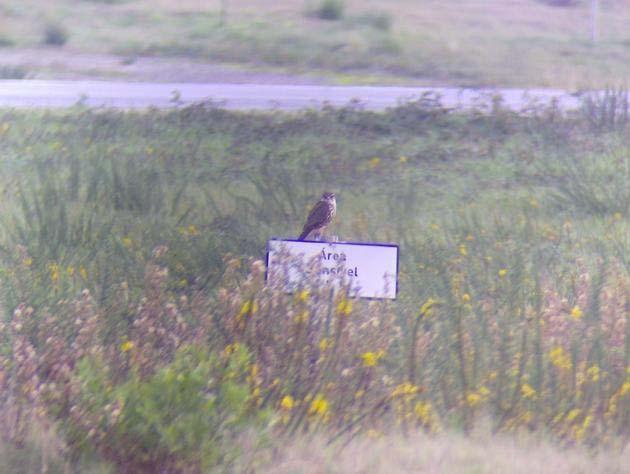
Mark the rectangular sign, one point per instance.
(371, 270)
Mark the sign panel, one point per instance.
(371, 270)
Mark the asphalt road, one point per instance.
(139, 95)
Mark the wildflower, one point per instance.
(559, 358)
(502, 272)
(323, 344)
(427, 308)
(127, 242)
(287, 403)
(70, 271)
(473, 399)
(465, 297)
(462, 250)
(374, 162)
(483, 392)
(344, 307)
(405, 388)
(28, 261)
(54, 271)
(527, 391)
(302, 317)
(126, 346)
(593, 373)
(533, 202)
(303, 295)
(83, 273)
(370, 359)
(576, 312)
(422, 411)
(249, 307)
(403, 159)
(573, 414)
(319, 406)
(625, 389)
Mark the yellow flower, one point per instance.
(625, 389)
(593, 373)
(576, 312)
(287, 402)
(528, 391)
(403, 159)
(28, 261)
(249, 307)
(573, 414)
(427, 308)
(83, 273)
(70, 270)
(374, 162)
(370, 359)
(422, 411)
(344, 307)
(465, 297)
(502, 272)
(319, 406)
(405, 388)
(473, 399)
(483, 391)
(127, 242)
(126, 346)
(323, 344)
(54, 271)
(462, 250)
(303, 296)
(559, 358)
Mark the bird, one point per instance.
(320, 216)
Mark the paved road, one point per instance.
(132, 95)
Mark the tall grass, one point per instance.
(131, 264)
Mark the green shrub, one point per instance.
(55, 34)
(184, 416)
(330, 10)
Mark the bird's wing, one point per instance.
(318, 216)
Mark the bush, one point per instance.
(55, 34)
(330, 10)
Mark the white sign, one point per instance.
(370, 269)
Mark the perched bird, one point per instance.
(320, 216)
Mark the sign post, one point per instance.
(371, 270)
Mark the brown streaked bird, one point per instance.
(320, 216)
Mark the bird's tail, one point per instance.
(304, 233)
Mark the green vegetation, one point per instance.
(525, 43)
(134, 293)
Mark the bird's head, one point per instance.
(328, 196)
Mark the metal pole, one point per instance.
(594, 20)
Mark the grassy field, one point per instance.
(522, 43)
(138, 330)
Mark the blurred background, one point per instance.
(568, 44)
